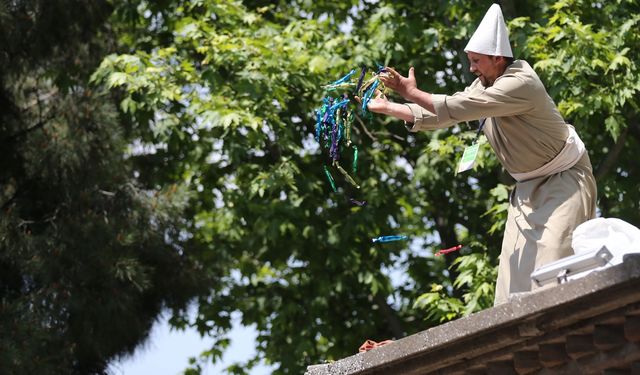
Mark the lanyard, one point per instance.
(480, 129)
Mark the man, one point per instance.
(555, 189)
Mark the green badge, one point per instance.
(468, 158)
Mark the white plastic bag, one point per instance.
(617, 235)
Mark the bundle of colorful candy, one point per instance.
(336, 116)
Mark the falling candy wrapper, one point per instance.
(383, 239)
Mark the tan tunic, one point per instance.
(526, 131)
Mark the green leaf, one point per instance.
(612, 126)
(116, 79)
(318, 64)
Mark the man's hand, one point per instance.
(404, 86)
(380, 104)
(377, 104)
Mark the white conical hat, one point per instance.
(491, 36)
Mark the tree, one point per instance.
(225, 93)
(88, 257)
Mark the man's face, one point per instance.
(487, 68)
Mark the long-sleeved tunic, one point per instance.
(526, 131)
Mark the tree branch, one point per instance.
(634, 130)
(6, 204)
(610, 160)
(364, 128)
(508, 8)
(24, 132)
(462, 56)
(390, 315)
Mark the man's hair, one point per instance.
(509, 60)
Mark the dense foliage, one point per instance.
(85, 261)
(214, 101)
